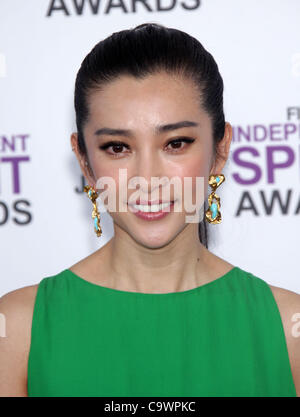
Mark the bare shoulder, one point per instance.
(16, 309)
(289, 306)
(288, 303)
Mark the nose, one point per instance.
(149, 165)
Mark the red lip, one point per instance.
(151, 215)
(150, 203)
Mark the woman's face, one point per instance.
(139, 107)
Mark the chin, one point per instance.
(155, 238)
(152, 235)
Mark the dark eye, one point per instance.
(176, 143)
(116, 147)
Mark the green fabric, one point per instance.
(224, 338)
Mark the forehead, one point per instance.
(156, 97)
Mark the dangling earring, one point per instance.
(213, 214)
(92, 193)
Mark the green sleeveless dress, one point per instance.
(222, 339)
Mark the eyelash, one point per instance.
(116, 143)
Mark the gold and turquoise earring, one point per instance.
(93, 195)
(213, 214)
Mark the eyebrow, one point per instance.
(159, 129)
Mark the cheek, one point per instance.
(196, 167)
(107, 183)
(194, 189)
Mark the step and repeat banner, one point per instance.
(45, 217)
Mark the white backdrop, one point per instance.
(46, 226)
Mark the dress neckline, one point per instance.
(143, 294)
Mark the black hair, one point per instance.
(144, 50)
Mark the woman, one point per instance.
(153, 312)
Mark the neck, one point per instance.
(180, 265)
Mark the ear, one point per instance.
(223, 151)
(83, 161)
